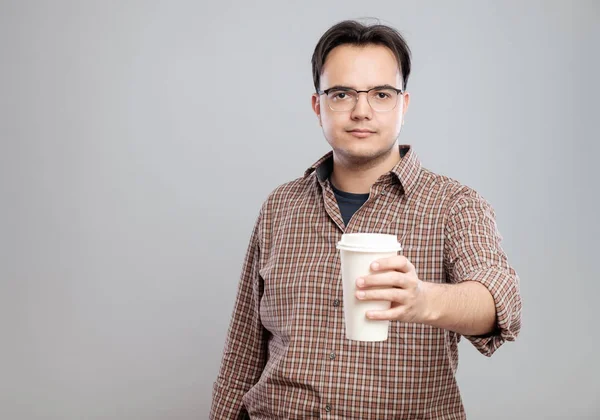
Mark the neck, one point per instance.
(358, 177)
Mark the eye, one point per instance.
(340, 95)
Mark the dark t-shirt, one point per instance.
(349, 202)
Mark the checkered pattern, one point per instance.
(286, 355)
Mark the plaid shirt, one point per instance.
(286, 355)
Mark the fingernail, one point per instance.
(375, 266)
(360, 295)
(360, 281)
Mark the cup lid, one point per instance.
(369, 242)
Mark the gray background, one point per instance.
(138, 140)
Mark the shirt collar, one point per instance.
(407, 170)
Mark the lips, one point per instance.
(361, 133)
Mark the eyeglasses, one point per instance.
(380, 98)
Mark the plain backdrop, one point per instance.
(139, 139)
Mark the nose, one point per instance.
(362, 110)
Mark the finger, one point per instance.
(398, 263)
(386, 278)
(391, 314)
(387, 294)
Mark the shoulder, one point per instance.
(278, 204)
(449, 192)
(287, 196)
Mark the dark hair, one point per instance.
(355, 33)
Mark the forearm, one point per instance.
(245, 351)
(243, 361)
(466, 308)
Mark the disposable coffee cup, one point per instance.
(357, 252)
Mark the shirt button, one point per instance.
(336, 303)
(328, 408)
(332, 356)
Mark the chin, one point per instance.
(361, 150)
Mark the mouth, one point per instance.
(360, 133)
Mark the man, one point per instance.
(286, 355)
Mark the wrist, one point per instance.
(431, 309)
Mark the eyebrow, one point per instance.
(342, 87)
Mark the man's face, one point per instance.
(360, 68)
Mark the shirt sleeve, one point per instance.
(472, 251)
(244, 356)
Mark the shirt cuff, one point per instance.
(503, 285)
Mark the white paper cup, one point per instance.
(357, 252)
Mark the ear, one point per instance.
(316, 106)
(406, 101)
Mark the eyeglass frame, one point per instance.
(345, 88)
